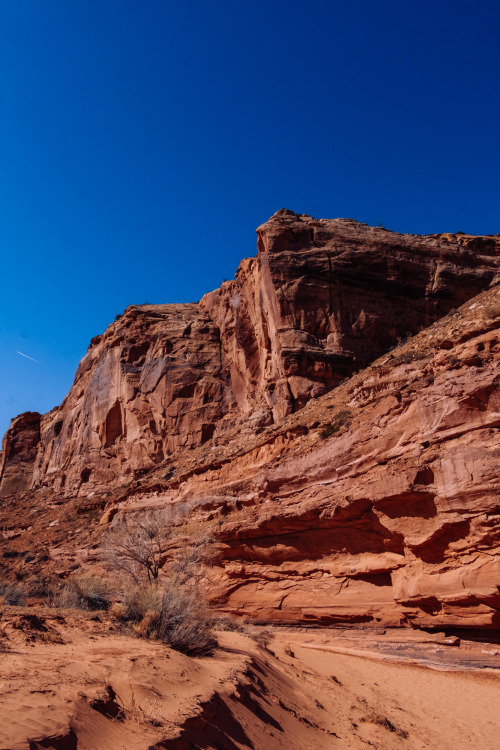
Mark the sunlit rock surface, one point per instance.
(337, 490)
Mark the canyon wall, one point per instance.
(345, 474)
(320, 301)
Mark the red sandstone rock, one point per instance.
(373, 501)
(321, 300)
(19, 449)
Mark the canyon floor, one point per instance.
(73, 680)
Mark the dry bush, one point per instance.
(139, 600)
(140, 545)
(263, 637)
(195, 553)
(12, 594)
(383, 721)
(118, 611)
(229, 624)
(174, 614)
(82, 592)
(185, 622)
(329, 429)
(136, 545)
(165, 602)
(410, 356)
(37, 586)
(92, 591)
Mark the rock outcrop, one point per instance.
(19, 450)
(320, 301)
(337, 490)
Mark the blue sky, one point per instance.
(142, 142)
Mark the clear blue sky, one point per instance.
(142, 141)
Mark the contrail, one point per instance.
(25, 355)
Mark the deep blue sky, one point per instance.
(142, 142)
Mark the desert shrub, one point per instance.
(228, 624)
(118, 611)
(165, 601)
(329, 429)
(84, 592)
(139, 600)
(12, 594)
(184, 621)
(62, 595)
(407, 357)
(135, 545)
(386, 723)
(174, 614)
(263, 637)
(92, 591)
(37, 586)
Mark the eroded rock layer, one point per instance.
(333, 495)
(321, 300)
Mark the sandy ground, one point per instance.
(73, 681)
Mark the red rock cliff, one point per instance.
(338, 490)
(321, 300)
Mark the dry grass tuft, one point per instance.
(82, 592)
(11, 594)
(383, 721)
(174, 614)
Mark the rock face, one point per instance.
(19, 451)
(337, 490)
(321, 300)
(389, 511)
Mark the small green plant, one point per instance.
(341, 419)
(330, 429)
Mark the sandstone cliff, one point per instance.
(320, 300)
(334, 496)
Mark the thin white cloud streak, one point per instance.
(25, 355)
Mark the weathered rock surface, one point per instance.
(321, 300)
(373, 500)
(19, 450)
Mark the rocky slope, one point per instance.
(334, 495)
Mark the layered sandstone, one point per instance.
(333, 496)
(377, 503)
(321, 300)
(19, 450)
